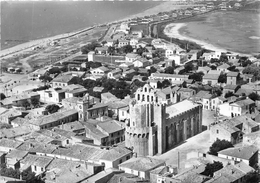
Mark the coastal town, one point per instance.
(125, 102)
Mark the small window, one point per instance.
(217, 131)
(120, 161)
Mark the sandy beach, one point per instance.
(164, 6)
(172, 30)
(39, 42)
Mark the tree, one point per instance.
(2, 96)
(157, 53)
(196, 76)
(252, 69)
(45, 78)
(52, 108)
(127, 49)
(169, 70)
(103, 42)
(111, 50)
(145, 78)
(252, 177)
(76, 80)
(26, 104)
(121, 93)
(152, 70)
(211, 168)
(27, 175)
(165, 83)
(223, 58)
(213, 60)
(41, 88)
(213, 67)
(216, 91)
(9, 172)
(93, 64)
(219, 145)
(90, 47)
(188, 67)
(181, 72)
(222, 78)
(135, 85)
(30, 177)
(35, 102)
(233, 69)
(55, 70)
(64, 69)
(229, 94)
(254, 96)
(246, 63)
(140, 50)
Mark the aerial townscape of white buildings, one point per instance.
(117, 110)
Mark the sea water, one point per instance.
(237, 31)
(24, 21)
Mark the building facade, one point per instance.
(154, 127)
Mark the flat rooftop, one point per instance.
(180, 107)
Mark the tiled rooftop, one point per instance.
(110, 126)
(9, 143)
(245, 152)
(17, 154)
(52, 117)
(142, 164)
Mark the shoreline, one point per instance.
(19, 48)
(172, 30)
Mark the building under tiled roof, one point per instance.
(110, 126)
(17, 154)
(232, 74)
(10, 143)
(245, 152)
(142, 163)
(52, 117)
